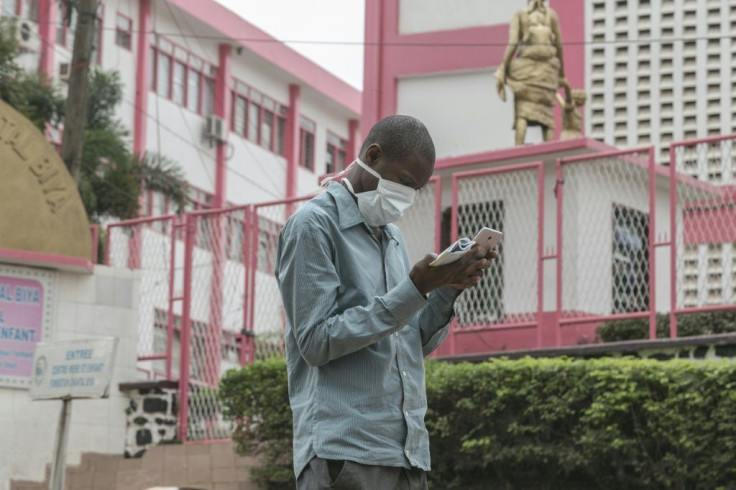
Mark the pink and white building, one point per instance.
(248, 118)
(592, 232)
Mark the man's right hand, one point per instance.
(461, 274)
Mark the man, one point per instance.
(360, 321)
(538, 70)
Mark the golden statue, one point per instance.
(572, 119)
(537, 71)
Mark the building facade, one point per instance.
(657, 74)
(247, 118)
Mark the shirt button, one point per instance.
(406, 413)
(396, 334)
(408, 452)
(403, 372)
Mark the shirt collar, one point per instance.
(348, 214)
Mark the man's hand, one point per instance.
(461, 274)
(490, 255)
(501, 86)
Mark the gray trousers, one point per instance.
(323, 474)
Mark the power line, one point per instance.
(643, 41)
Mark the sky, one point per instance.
(312, 22)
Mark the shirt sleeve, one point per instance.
(433, 321)
(309, 283)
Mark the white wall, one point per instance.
(462, 111)
(181, 139)
(437, 15)
(103, 304)
(120, 59)
(254, 173)
(326, 120)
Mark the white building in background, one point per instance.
(659, 71)
(247, 118)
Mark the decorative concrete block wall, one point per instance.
(151, 415)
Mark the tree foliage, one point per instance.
(111, 178)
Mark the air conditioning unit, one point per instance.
(216, 128)
(65, 71)
(26, 35)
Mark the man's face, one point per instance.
(413, 171)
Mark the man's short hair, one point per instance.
(401, 137)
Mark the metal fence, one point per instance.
(606, 267)
(625, 230)
(511, 200)
(148, 245)
(703, 201)
(421, 223)
(229, 259)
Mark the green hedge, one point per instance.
(689, 325)
(539, 423)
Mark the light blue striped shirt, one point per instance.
(356, 337)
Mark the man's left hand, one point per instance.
(490, 255)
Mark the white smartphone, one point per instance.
(488, 237)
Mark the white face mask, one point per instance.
(384, 205)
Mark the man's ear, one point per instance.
(373, 154)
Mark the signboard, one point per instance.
(73, 369)
(26, 299)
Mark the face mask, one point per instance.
(384, 205)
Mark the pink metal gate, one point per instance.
(508, 199)
(606, 241)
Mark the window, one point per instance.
(258, 118)
(123, 31)
(152, 69)
(156, 204)
(306, 143)
(281, 134)
(208, 99)
(178, 89)
(254, 121)
(193, 90)
(240, 108)
(11, 8)
(198, 199)
(65, 29)
(163, 74)
(98, 36)
(201, 339)
(182, 77)
(630, 260)
(267, 129)
(336, 154)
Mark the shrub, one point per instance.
(540, 423)
(257, 398)
(689, 325)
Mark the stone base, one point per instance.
(201, 466)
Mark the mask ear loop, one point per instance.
(336, 177)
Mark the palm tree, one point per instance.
(111, 179)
